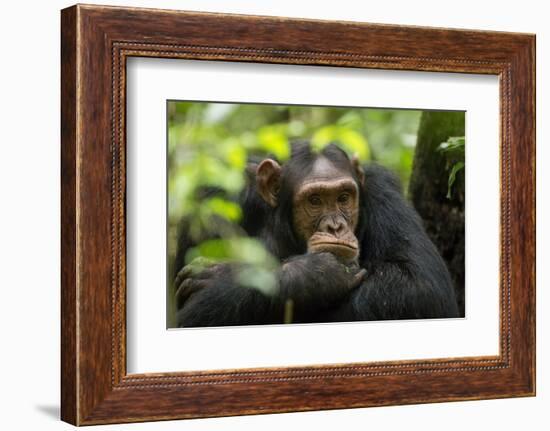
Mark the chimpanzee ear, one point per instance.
(358, 169)
(268, 175)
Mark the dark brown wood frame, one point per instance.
(95, 43)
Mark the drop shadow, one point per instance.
(52, 411)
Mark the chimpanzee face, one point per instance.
(325, 210)
(325, 205)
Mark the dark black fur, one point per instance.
(406, 277)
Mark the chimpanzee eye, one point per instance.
(315, 200)
(343, 198)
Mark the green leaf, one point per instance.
(257, 278)
(454, 146)
(235, 153)
(212, 172)
(351, 120)
(272, 139)
(349, 140)
(296, 128)
(237, 249)
(226, 209)
(452, 176)
(258, 265)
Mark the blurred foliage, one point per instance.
(454, 151)
(208, 148)
(208, 145)
(258, 264)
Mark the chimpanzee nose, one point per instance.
(332, 225)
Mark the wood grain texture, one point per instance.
(69, 397)
(96, 41)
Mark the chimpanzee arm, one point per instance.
(223, 302)
(406, 277)
(316, 282)
(399, 291)
(313, 282)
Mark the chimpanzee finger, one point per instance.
(213, 271)
(184, 273)
(186, 289)
(358, 278)
(194, 269)
(206, 273)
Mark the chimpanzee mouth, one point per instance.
(334, 243)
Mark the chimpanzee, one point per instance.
(351, 248)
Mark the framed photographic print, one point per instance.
(263, 214)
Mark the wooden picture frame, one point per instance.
(95, 43)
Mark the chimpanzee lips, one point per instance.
(342, 248)
(325, 240)
(334, 242)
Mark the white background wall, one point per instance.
(29, 215)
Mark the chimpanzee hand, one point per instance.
(196, 276)
(317, 280)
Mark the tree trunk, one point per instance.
(443, 216)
